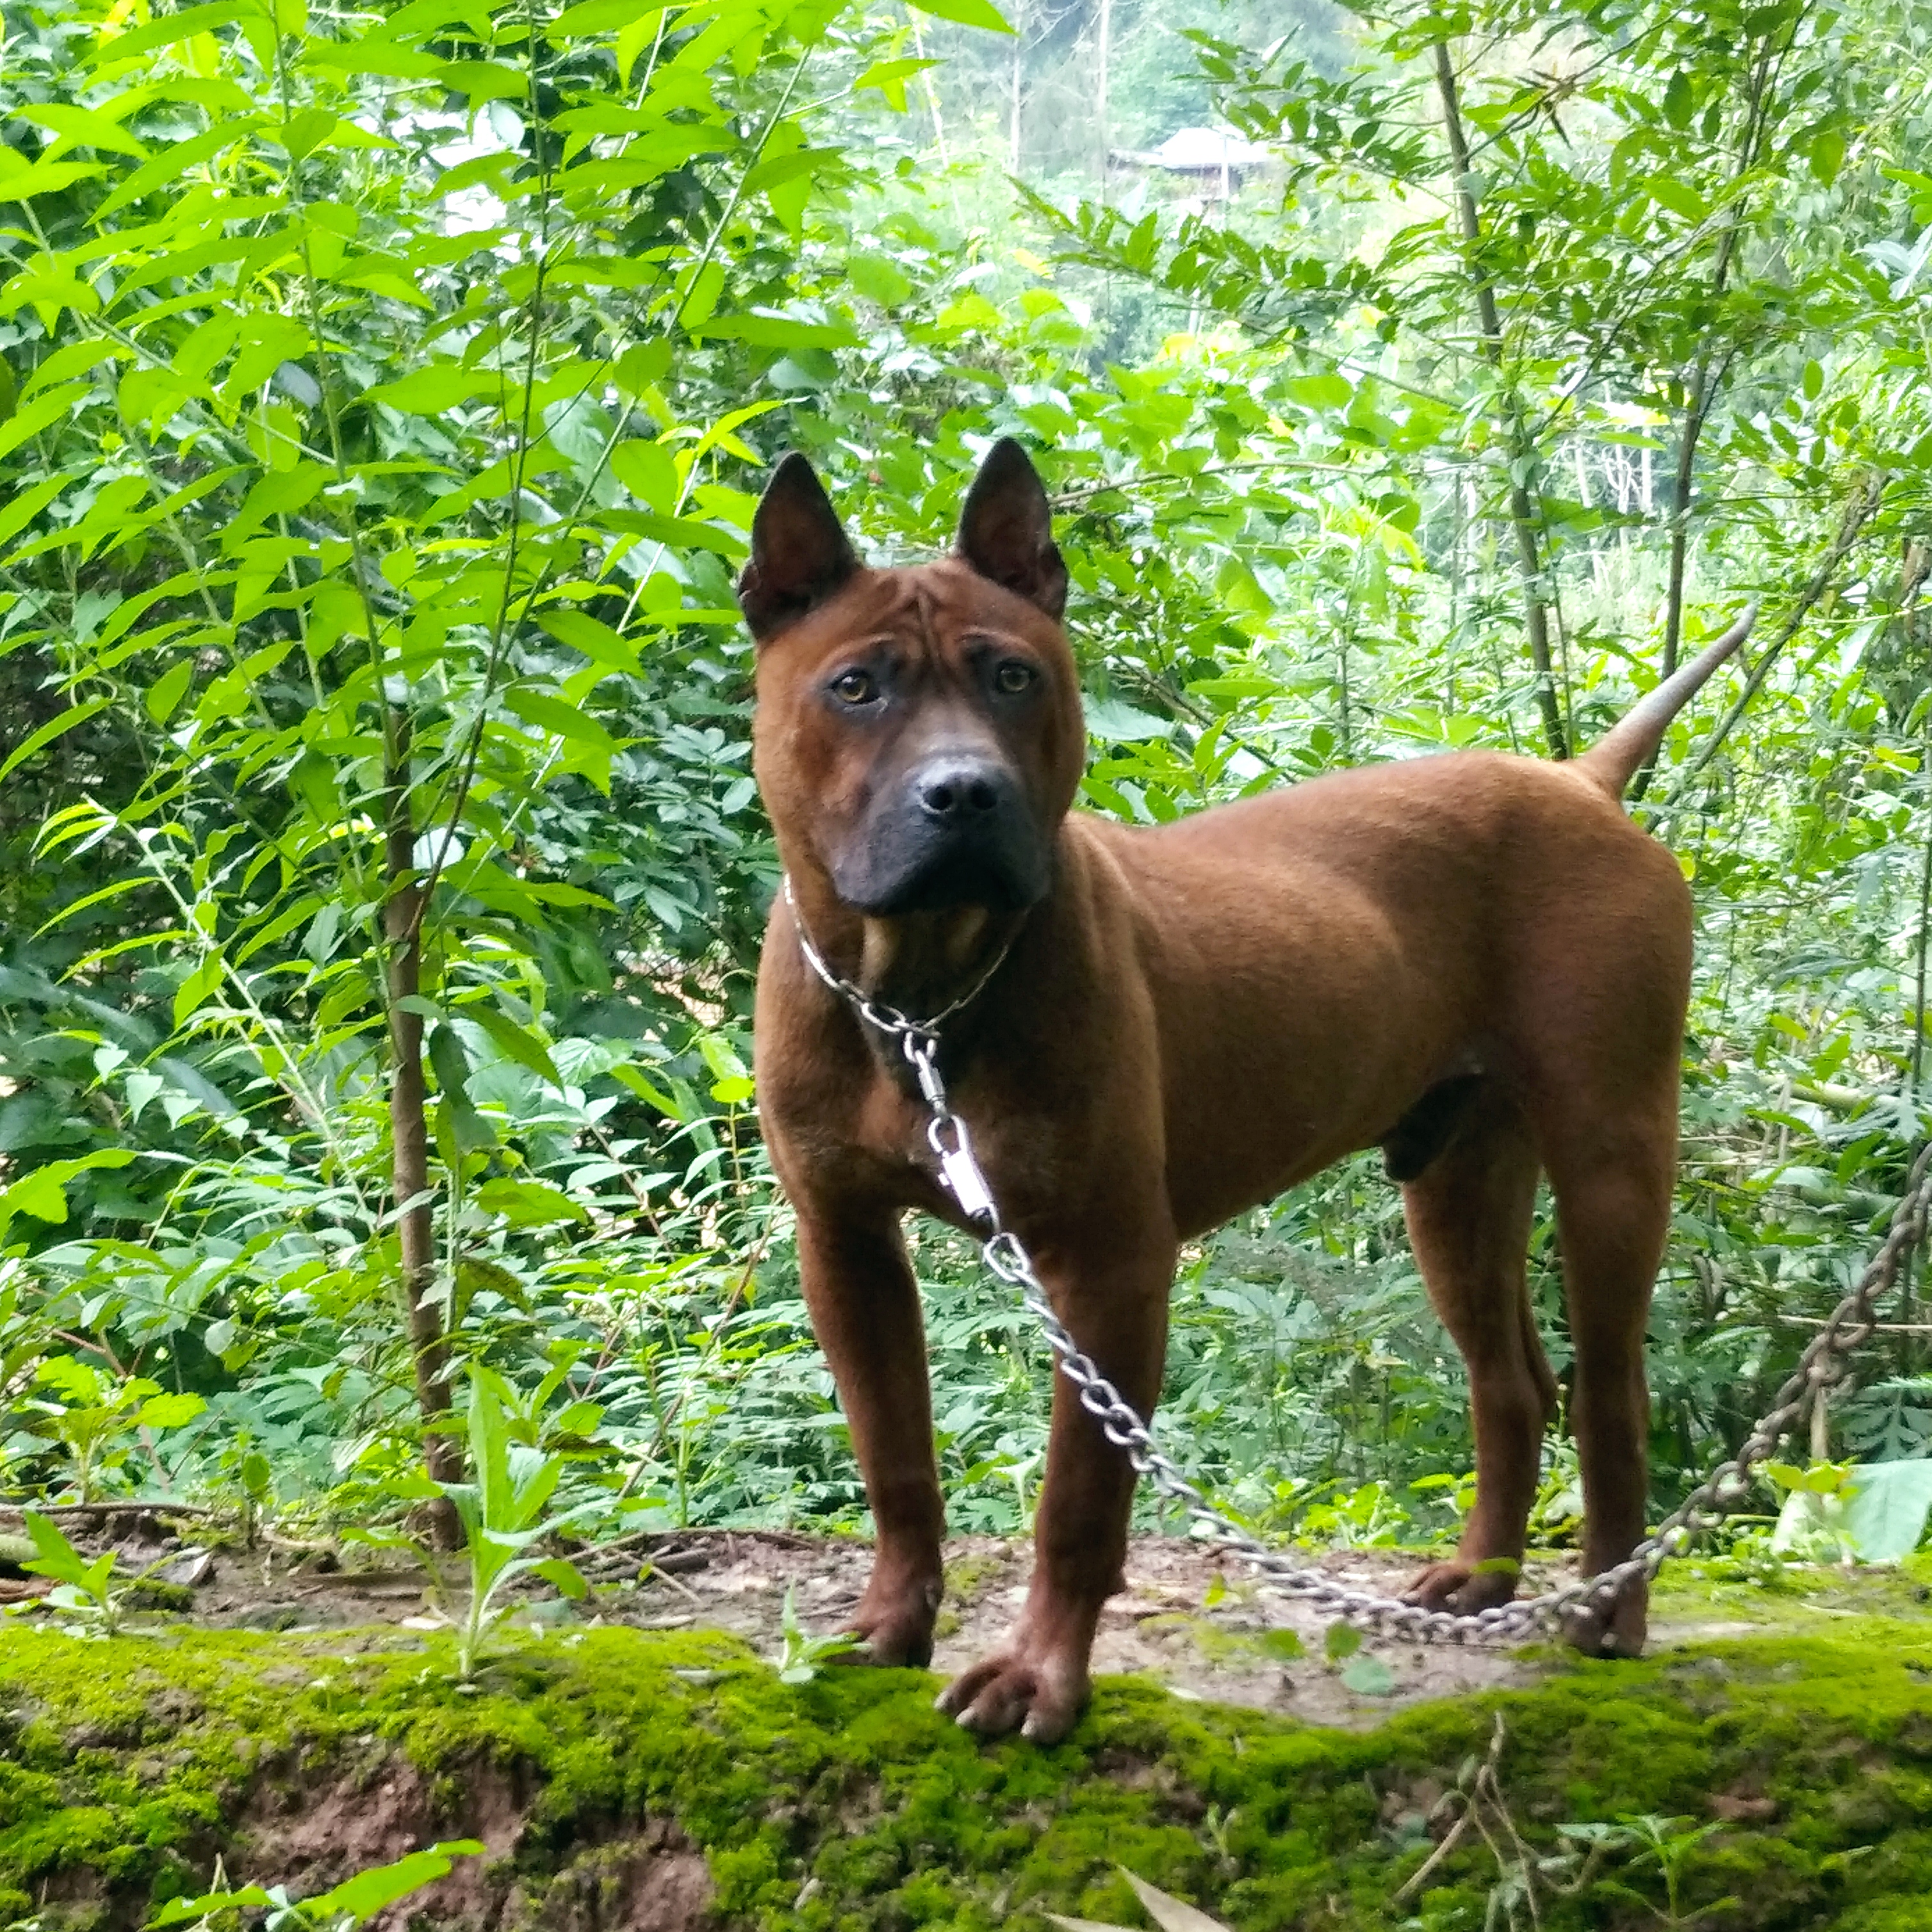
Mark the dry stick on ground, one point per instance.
(409, 1135)
(1522, 508)
(1417, 1878)
(1859, 512)
(1485, 1787)
(121, 1506)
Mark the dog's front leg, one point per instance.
(1111, 1291)
(864, 1301)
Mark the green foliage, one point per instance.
(502, 1506)
(382, 398)
(81, 1587)
(801, 1653)
(84, 1587)
(341, 1908)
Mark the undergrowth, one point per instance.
(846, 1803)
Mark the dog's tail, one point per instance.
(1613, 761)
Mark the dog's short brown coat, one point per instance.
(1475, 961)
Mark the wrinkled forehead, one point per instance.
(927, 606)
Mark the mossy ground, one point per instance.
(848, 1804)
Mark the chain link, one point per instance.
(1719, 1494)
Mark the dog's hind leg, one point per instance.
(1613, 1173)
(864, 1302)
(1468, 1221)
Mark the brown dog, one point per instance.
(1475, 962)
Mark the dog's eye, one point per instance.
(1013, 677)
(854, 687)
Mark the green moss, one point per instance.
(967, 1576)
(849, 1804)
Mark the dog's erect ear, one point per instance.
(800, 554)
(1006, 530)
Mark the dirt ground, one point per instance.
(1198, 1624)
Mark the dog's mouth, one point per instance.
(921, 871)
(958, 834)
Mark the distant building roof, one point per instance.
(1196, 150)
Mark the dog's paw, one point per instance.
(1037, 1691)
(1462, 1588)
(1617, 1629)
(894, 1626)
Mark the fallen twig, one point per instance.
(120, 1506)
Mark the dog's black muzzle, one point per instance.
(957, 832)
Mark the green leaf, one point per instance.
(447, 1056)
(304, 132)
(603, 16)
(889, 77)
(370, 1892)
(1368, 1677)
(169, 1410)
(18, 511)
(485, 80)
(18, 183)
(775, 332)
(42, 1192)
(372, 56)
(1341, 1640)
(648, 470)
(57, 726)
(58, 1558)
(204, 1905)
(1828, 155)
(1111, 722)
(528, 1204)
(1678, 103)
(966, 13)
(173, 161)
(179, 26)
(564, 1577)
(1668, 192)
(593, 640)
(1322, 390)
(276, 494)
(878, 279)
(552, 714)
(44, 411)
(201, 982)
(523, 1044)
(1886, 1508)
(167, 691)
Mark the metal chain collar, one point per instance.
(1719, 1494)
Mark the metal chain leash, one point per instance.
(1719, 1494)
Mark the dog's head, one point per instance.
(919, 735)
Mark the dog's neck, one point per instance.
(919, 963)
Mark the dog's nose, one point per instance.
(960, 791)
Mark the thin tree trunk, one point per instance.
(1916, 562)
(1101, 106)
(1859, 512)
(932, 91)
(1522, 508)
(408, 1136)
(1013, 123)
(1704, 384)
